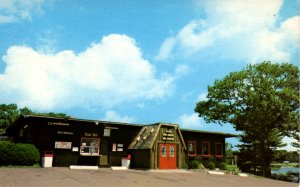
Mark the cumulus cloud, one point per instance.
(193, 121)
(106, 74)
(190, 121)
(14, 10)
(288, 141)
(114, 116)
(237, 30)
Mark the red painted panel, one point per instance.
(167, 156)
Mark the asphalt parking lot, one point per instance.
(107, 177)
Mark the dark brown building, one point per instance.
(103, 143)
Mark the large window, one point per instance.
(205, 149)
(191, 148)
(219, 150)
(89, 146)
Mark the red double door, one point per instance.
(167, 156)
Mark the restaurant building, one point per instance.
(103, 143)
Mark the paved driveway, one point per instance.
(106, 177)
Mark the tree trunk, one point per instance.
(266, 161)
(267, 167)
(254, 160)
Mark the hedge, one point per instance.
(18, 154)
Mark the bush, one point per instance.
(194, 164)
(29, 154)
(211, 165)
(18, 154)
(223, 166)
(184, 165)
(289, 176)
(6, 156)
(235, 171)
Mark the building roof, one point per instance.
(148, 134)
(10, 129)
(145, 138)
(227, 135)
(145, 128)
(81, 120)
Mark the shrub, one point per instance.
(29, 154)
(235, 171)
(211, 165)
(194, 164)
(223, 166)
(6, 156)
(18, 154)
(184, 165)
(289, 176)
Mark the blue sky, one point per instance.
(136, 61)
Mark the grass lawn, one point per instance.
(275, 165)
(13, 166)
(231, 167)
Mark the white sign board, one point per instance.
(63, 145)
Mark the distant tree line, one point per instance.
(283, 155)
(10, 112)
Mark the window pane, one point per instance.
(89, 146)
(85, 150)
(219, 149)
(205, 148)
(172, 151)
(163, 151)
(191, 148)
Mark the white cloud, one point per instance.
(106, 74)
(165, 49)
(182, 69)
(202, 97)
(14, 10)
(191, 121)
(114, 116)
(288, 141)
(237, 30)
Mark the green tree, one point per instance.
(261, 101)
(228, 149)
(251, 156)
(296, 144)
(26, 111)
(8, 114)
(280, 156)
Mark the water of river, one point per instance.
(284, 170)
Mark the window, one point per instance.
(172, 151)
(89, 146)
(205, 149)
(219, 150)
(163, 151)
(191, 148)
